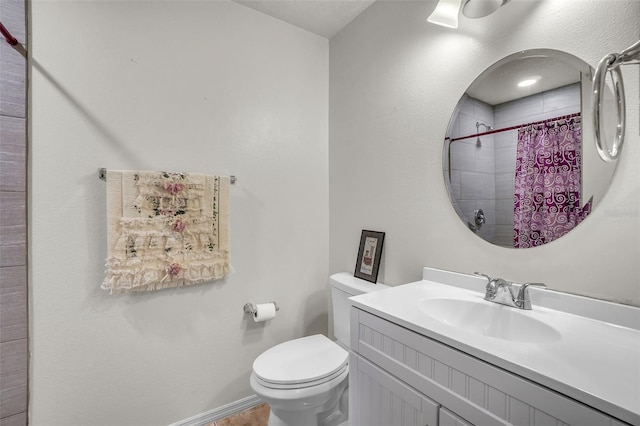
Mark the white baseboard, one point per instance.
(220, 412)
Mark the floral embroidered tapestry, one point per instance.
(165, 230)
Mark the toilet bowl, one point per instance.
(305, 381)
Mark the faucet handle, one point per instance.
(483, 275)
(523, 301)
(490, 288)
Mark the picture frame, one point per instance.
(369, 254)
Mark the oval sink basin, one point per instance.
(488, 318)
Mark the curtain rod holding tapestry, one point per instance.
(102, 174)
(504, 129)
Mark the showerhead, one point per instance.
(486, 127)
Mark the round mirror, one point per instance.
(520, 161)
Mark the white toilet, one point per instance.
(305, 380)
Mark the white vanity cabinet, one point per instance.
(384, 400)
(447, 418)
(400, 377)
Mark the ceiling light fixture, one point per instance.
(528, 82)
(447, 11)
(481, 8)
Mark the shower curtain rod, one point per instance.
(7, 35)
(504, 129)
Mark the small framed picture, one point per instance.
(369, 255)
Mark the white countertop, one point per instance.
(594, 362)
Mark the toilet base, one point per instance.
(324, 405)
(338, 415)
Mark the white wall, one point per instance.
(394, 82)
(208, 87)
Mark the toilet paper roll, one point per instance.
(264, 312)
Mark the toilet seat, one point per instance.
(304, 362)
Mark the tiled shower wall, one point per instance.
(473, 164)
(13, 233)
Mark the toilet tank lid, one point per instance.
(346, 282)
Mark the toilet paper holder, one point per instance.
(251, 308)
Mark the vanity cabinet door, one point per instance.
(447, 418)
(377, 399)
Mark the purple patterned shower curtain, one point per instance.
(547, 182)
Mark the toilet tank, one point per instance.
(343, 286)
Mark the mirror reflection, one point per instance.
(520, 162)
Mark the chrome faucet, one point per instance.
(500, 291)
(523, 301)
